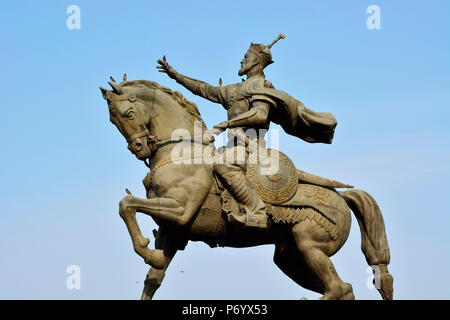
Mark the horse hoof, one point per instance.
(154, 258)
(348, 296)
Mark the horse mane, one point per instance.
(189, 106)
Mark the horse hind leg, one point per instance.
(315, 248)
(290, 261)
(155, 276)
(152, 282)
(154, 279)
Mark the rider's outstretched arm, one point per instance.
(200, 88)
(197, 87)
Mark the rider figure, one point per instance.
(244, 112)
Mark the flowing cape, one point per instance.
(296, 119)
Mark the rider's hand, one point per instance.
(209, 134)
(222, 126)
(166, 68)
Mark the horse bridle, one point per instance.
(151, 140)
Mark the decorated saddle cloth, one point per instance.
(293, 195)
(323, 205)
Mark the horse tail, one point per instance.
(374, 243)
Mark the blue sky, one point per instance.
(65, 167)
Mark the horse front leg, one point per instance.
(162, 208)
(155, 258)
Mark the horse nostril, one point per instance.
(138, 146)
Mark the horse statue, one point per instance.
(309, 221)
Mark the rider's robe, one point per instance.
(288, 112)
(295, 118)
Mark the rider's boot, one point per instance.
(255, 208)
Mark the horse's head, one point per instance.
(129, 111)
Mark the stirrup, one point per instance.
(256, 220)
(251, 220)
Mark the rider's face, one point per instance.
(249, 61)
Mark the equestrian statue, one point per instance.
(242, 194)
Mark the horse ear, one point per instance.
(104, 93)
(116, 89)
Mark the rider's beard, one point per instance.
(242, 71)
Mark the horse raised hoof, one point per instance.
(154, 258)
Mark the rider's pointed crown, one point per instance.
(263, 51)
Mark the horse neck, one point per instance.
(170, 120)
(167, 116)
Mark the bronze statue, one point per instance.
(234, 204)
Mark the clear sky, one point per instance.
(64, 166)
